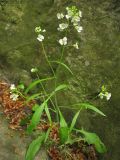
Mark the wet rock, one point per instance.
(24, 76)
(96, 63)
(14, 58)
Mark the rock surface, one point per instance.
(97, 62)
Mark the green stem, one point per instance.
(47, 59)
(45, 54)
(45, 91)
(62, 53)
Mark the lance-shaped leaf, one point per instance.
(64, 130)
(34, 96)
(92, 138)
(74, 121)
(64, 65)
(47, 134)
(34, 147)
(39, 110)
(36, 118)
(48, 113)
(34, 83)
(61, 87)
(89, 106)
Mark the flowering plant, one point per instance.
(67, 135)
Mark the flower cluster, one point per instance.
(60, 15)
(40, 31)
(62, 26)
(14, 96)
(104, 93)
(73, 17)
(63, 41)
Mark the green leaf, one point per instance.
(36, 118)
(39, 110)
(34, 83)
(63, 133)
(33, 97)
(63, 123)
(64, 65)
(48, 113)
(64, 130)
(47, 135)
(35, 107)
(91, 107)
(21, 86)
(74, 121)
(34, 147)
(92, 138)
(61, 87)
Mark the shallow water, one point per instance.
(97, 61)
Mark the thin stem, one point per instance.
(45, 54)
(48, 59)
(45, 91)
(62, 53)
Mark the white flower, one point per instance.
(79, 28)
(80, 14)
(40, 38)
(43, 30)
(14, 96)
(67, 8)
(75, 19)
(33, 70)
(108, 96)
(67, 16)
(62, 26)
(60, 15)
(101, 95)
(12, 87)
(63, 41)
(70, 13)
(38, 29)
(75, 24)
(76, 45)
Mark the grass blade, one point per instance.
(47, 135)
(74, 121)
(64, 134)
(34, 83)
(63, 123)
(64, 130)
(33, 97)
(64, 65)
(91, 107)
(36, 118)
(61, 87)
(48, 113)
(39, 110)
(34, 147)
